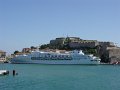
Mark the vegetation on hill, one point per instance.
(67, 47)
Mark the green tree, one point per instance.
(44, 46)
(16, 52)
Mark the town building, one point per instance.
(2, 56)
(26, 50)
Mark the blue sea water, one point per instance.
(60, 77)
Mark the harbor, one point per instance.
(59, 45)
(57, 77)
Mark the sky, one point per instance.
(26, 23)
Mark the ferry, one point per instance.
(49, 57)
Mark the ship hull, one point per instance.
(54, 62)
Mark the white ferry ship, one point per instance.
(42, 57)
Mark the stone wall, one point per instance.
(83, 44)
(114, 54)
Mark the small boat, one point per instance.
(4, 72)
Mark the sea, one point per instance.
(60, 77)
